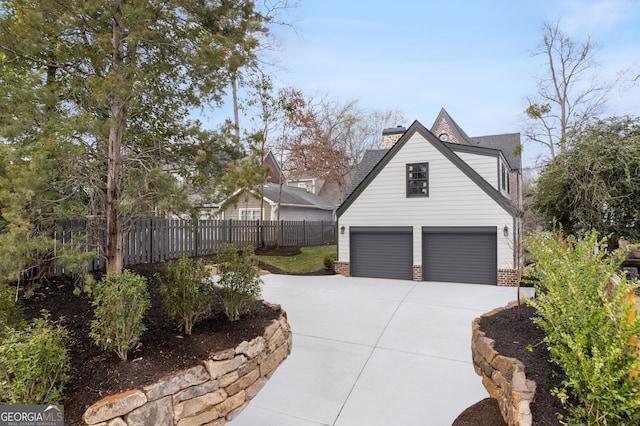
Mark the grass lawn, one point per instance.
(311, 259)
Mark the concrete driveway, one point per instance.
(373, 352)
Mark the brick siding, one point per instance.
(417, 272)
(342, 268)
(508, 277)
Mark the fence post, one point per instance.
(196, 229)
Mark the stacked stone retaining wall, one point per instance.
(212, 393)
(503, 377)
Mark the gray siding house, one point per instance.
(295, 204)
(435, 208)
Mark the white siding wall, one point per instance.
(485, 165)
(454, 200)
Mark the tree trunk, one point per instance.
(236, 115)
(280, 183)
(114, 160)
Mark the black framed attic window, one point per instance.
(418, 180)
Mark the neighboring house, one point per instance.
(275, 172)
(295, 204)
(435, 208)
(328, 189)
(309, 184)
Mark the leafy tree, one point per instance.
(98, 94)
(328, 137)
(596, 183)
(567, 93)
(242, 180)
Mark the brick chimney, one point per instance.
(391, 135)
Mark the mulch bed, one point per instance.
(164, 349)
(512, 338)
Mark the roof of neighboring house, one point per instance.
(387, 155)
(275, 172)
(296, 197)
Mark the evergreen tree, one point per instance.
(96, 97)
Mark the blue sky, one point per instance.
(471, 57)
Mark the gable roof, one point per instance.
(444, 122)
(474, 149)
(369, 160)
(508, 143)
(275, 171)
(416, 127)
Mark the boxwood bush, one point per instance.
(239, 280)
(34, 364)
(120, 301)
(11, 315)
(188, 292)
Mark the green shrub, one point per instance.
(10, 311)
(73, 258)
(588, 328)
(120, 301)
(34, 363)
(329, 260)
(188, 292)
(239, 280)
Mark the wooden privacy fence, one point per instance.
(153, 240)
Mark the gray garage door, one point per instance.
(382, 252)
(465, 255)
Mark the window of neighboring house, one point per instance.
(250, 214)
(504, 177)
(418, 180)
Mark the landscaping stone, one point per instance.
(251, 349)
(207, 394)
(225, 354)
(273, 361)
(196, 391)
(197, 405)
(271, 328)
(172, 384)
(114, 406)
(244, 382)
(231, 404)
(229, 378)
(158, 412)
(503, 377)
(255, 388)
(218, 369)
